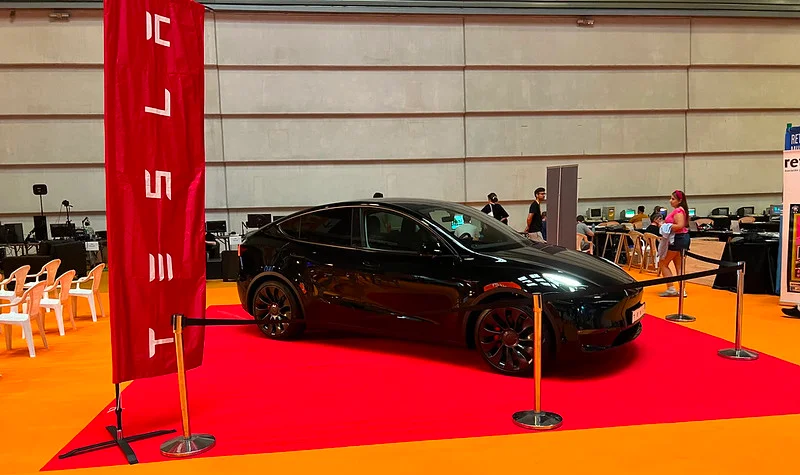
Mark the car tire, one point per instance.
(277, 305)
(504, 339)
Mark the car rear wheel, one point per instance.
(504, 338)
(277, 307)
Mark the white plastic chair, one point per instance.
(47, 273)
(91, 295)
(31, 298)
(57, 305)
(18, 277)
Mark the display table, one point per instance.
(761, 260)
(71, 253)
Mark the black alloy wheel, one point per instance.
(276, 306)
(504, 338)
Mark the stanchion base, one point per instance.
(680, 317)
(791, 312)
(537, 420)
(183, 447)
(734, 354)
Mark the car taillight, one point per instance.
(239, 250)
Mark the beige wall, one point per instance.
(315, 108)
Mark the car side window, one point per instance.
(328, 226)
(291, 227)
(390, 231)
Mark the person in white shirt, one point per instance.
(467, 228)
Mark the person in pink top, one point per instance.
(679, 219)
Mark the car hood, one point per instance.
(588, 269)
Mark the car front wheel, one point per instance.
(504, 337)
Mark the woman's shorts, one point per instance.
(681, 242)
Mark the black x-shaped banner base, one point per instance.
(117, 439)
(123, 443)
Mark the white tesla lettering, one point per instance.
(161, 275)
(165, 111)
(153, 343)
(158, 21)
(166, 177)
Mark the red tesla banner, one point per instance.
(155, 181)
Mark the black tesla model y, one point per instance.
(405, 268)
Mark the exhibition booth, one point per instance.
(374, 321)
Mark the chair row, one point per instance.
(31, 299)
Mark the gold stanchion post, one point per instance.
(537, 419)
(680, 316)
(187, 444)
(737, 352)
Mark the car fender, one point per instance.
(498, 292)
(270, 275)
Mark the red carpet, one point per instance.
(256, 395)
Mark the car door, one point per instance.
(323, 260)
(410, 277)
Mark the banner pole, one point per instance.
(680, 316)
(737, 352)
(537, 419)
(188, 444)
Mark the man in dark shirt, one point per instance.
(534, 228)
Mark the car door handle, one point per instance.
(370, 265)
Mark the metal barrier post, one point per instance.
(537, 419)
(737, 352)
(187, 444)
(680, 316)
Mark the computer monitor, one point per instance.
(594, 213)
(629, 213)
(775, 210)
(258, 220)
(720, 212)
(60, 231)
(12, 233)
(216, 226)
(745, 211)
(692, 212)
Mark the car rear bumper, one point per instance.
(241, 288)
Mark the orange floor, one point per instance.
(46, 400)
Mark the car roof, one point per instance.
(409, 204)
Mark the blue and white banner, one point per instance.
(789, 264)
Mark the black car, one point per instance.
(405, 267)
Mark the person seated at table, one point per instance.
(638, 217)
(212, 246)
(656, 220)
(583, 228)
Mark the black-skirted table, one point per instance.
(761, 262)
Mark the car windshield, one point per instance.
(472, 228)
